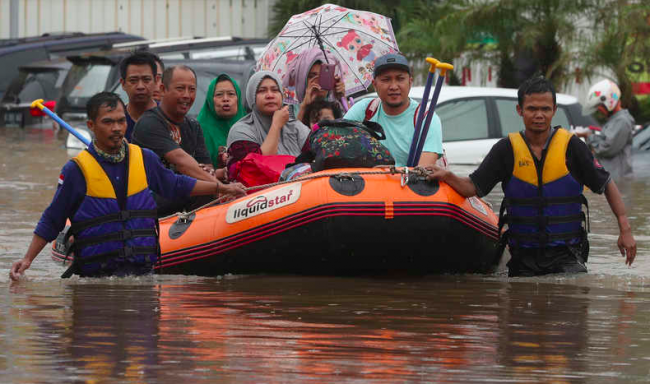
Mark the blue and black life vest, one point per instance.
(108, 237)
(543, 201)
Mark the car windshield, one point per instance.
(83, 81)
(32, 85)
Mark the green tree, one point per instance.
(520, 37)
(621, 38)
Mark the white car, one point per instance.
(475, 118)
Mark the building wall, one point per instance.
(151, 19)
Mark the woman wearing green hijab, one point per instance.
(223, 107)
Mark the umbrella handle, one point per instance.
(39, 104)
(425, 99)
(345, 104)
(444, 67)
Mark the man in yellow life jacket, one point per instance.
(543, 171)
(106, 193)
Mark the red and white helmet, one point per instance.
(604, 92)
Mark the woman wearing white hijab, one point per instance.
(268, 129)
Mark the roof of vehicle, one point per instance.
(39, 38)
(67, 42)
(118, 52)
(59, 63)
(146, 43)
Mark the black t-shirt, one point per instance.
(160, 134)
(499, 164)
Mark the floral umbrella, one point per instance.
(355, 38)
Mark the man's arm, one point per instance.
(173, 186)
(35, 247)
(428, 159)
(462, 185)
(626, 242)
(72, 187)
(583, 166)
(612, 140)
(432, 149)
(225, 191)
(187, 165)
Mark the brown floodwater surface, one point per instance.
(589, 328)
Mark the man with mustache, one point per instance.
(173, 136)
(543, 171)
(138, 80)
(106, 194)
(395, 111)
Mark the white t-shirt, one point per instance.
(399, 129)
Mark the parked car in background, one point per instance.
(39, 80)
(96, 72)
(474, 118)
(17, 52)
(206, 71)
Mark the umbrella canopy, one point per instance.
(354, 38)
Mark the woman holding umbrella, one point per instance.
(344, 41)
(304, 75)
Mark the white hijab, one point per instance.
(255, 126)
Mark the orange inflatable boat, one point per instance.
(337, 222)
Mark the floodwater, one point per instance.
(290, 329)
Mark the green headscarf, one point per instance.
(215, 128)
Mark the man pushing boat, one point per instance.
(543, 171)
(106, 194)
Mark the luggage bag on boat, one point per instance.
(346, 144)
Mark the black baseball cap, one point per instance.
(391, 60)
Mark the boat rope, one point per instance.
(391, 170)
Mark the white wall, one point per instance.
(151, 19)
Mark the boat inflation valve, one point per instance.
(181, 225)
(347, 184)
(421, 185)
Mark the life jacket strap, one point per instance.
(544, 201)
(115, 236)
(545, 237)
(544, 220)
(113, 217)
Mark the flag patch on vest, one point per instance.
(61, 179)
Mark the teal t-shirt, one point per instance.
(399, 129)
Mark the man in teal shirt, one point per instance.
(396, 111)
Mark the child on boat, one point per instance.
(321, 110)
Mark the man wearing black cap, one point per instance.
(396, 112)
